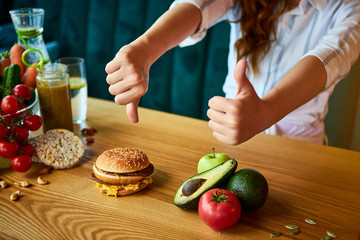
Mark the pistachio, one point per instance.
(3, 184)
(15, 195)
(41, 181)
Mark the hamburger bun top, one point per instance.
(122, 160)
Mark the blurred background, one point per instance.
(183, 80)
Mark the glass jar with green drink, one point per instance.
(28, 23)
(53, 89)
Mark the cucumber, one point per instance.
(11, 78)
(2, 88)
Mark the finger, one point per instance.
(222, 138)
(115, 77)
(127, 97)
(132, 111)
(239, 73)
(112, 66)
(219, 104)
(121, 87)
(217, 127)
(243, 84)
(216, 116)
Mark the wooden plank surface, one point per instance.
(305, 181)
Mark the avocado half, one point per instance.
(189, 193)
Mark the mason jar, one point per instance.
(53, 88)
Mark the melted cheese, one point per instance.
(112, 190)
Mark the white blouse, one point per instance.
(327, 29)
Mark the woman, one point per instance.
(285, 58)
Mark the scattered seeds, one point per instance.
(326, 238)
(291, 226)
(309, 221)
(41, 181)
(3, 184)
(14, 196)
(275, 234)
(294, 231)
(331, 234)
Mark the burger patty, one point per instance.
(93, 177)
(144, 172)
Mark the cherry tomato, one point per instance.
(8, 149)
(21, 133)
(21, 163)
(219, 208)
(22, 111)
(27, 149)
(3, 132)
(9, 104)
(22, 91)
(32, 122)
(9, 119)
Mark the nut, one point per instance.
(3, 184)
(14, 196)
(23, 183)
(41, 181)
(46, 170)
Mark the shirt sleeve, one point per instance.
(212, 11)
(340, 47)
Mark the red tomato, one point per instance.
(32, 122)
(21, 133)
(3, 132)
(22, 91)
(8, 119)
(22, 111)
(21, 163)
(219, 208)
(8, 149)
(27, 149)
(9, 104)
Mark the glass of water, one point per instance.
(78, 86)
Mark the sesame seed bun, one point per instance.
(122, 160)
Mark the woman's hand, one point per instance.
(128, 77)
(234, 121)
(128, 72)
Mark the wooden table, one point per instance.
(305, 181)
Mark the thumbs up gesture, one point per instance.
(234, 121)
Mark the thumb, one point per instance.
(241, 79)
(132, 111)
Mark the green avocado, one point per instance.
(251, 188)
(189, 193)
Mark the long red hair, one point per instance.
(258, 25)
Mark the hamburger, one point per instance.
(122, 171)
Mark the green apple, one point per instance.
(211, 160)
(5, 162)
